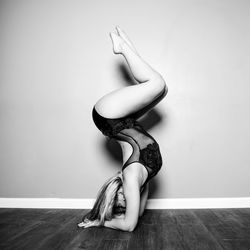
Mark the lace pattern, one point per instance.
(151, 158)
(114, 127)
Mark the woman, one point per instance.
(122, 198)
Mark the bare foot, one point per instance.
(118, 43)
(125, 37)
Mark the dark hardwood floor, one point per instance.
(157, 229)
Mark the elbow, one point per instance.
(130, 227)
(160, 84)
(163, 85)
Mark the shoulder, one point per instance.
(131, 189)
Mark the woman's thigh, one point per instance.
(129, 100)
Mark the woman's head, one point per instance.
(109, 198)
(120, 198)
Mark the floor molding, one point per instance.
(178, 203)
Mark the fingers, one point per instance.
(81, 224)
(87, 223)
(84, 224)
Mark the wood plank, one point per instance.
(40, 229)
(184, 216)
(113, 245)
(19, 221)
(243, 216)
(89, 238)
(224, 226)
(60, 238)
(10, 231)
(22, 213)
(228, 220)
(192, 231)
(143, 237)
(236, 244)
(160, 234)
(5, 210)
(157, 229)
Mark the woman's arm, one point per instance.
(144, 197)
(143, 200)
(131, 190)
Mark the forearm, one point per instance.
(117, 223)
(143, 200)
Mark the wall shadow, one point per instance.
(125, 74)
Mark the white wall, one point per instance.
(56, 60)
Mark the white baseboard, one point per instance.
(198, 203)
(178, 203)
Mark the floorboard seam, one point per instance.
(207, 229)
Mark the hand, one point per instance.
(88, 223)
(119, 216)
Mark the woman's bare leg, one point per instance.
(131, 99)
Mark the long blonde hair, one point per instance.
(104, 206)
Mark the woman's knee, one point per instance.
(158, 83)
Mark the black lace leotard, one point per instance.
(145, 149)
